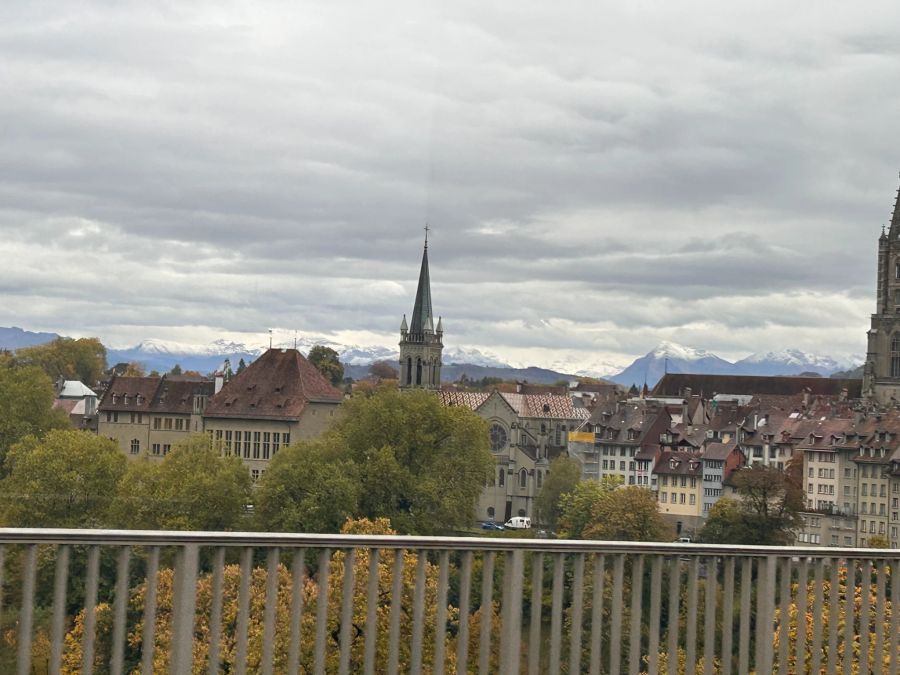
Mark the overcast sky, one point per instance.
(599, 176)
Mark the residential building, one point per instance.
(679, 479)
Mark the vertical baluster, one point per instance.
(577, 613)
(709, 616)
(371, 612)
(215, 611)
(849, 610)
(534, 631)
(864, 618)
(120, 606)
(655, 611)
(322, 612)
(90, 610)
(880, 602)
(487, 596)
(243, 614)
(802, 576)
(298, 572)
(26, 614)
(512, 614)
(184, 605)
(58, 625)
(440, 633)
(556, 612)
(728, 615)
(396, 607)
(347, 611)
(2, 567)
(744, 632)
(634, 632)
(268, 651)
(784, 604)
(674, 615)
(418, 614)
(691, 627)
(894, 648)
(148, 645)
(833, 614)
(615, 646)
(465, 590)
(766, 599)
(597, 614)
(818, 608)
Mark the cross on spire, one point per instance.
(427, 230)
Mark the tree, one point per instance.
(562, 477)
(242, 365)
(176, 370)
(327, 361)
(65, 479)
(607, 510)
(767, 513)
(310, 486)
(383, 370)
(422, 465)
(135, 369)
(193, 488)
(26, 402)
(83, 359)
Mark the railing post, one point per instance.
(183, 605)
(149, 637)
(119, 612)
(512, 614)
(58, 626)
(268, 652)
(27, 612)
(90, 610)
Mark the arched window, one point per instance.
(409, 370)
(418, 371)
(895, 356)
(501, 477)
(491, 512)
(523, 478)
(540, 478)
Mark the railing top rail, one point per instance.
(289, 540)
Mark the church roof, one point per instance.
(422, 313)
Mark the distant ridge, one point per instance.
(16, 338)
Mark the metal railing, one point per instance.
(146, 602)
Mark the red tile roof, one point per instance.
(153, 394)
(278, 385)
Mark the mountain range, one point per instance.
(670, 357)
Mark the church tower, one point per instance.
(421, 343)
(881, 376)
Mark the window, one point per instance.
(167, 424)
(276, 441)
(266, 444)
(681, 498)
(501, 477)
(246, 445)
(227, 442)
(254, 475)
(540, 478)
(179, 424)
(523, 478)
(157, 449)
(621, 466)
(115, 417)
(157, 423)
(895, 356)
(662, 497)
(693, 500)
(135, 446)
(491, 512)
(166, 448)
(256, 444)
(285, 438)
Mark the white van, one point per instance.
(518, 523)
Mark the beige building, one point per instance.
(679, 480)
(149, 415)
(527, 431)
(279, 398)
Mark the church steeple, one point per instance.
(420, 344)
(895, 218)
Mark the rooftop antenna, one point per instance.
(270, 338)
(295, 339)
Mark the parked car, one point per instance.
(491, 525)
(518, 523)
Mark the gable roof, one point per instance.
(673, 384)
(153, 394)
(75, 389)
(542, 406)
(277, 385)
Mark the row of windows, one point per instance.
(875, 490)
(158, 449)
(677, 498)
(684, 481)
(522, 478)
(159, 423)
(805, 538)
(862, 527)
(623, 451)
(251, 444)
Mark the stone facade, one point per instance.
(421, 343)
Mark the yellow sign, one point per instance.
(581, 437)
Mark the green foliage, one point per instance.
(83, 359)
(563, 475)
(606, 510)
(242, 365)
(309, 487)
(65, 479)
(26, 402)
(767, 512)
(327, 362)
(193, 488)
(576, 507)
(176, 370)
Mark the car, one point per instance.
(518, 523)
(491, 525)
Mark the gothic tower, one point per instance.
(881, 376)
(421, 343)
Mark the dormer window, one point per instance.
(115, 399)
(138, 398)
(125, 399)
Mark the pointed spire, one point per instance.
(403, 325)
(440, 327)
(895, 218)
(421, 315)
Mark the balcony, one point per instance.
(182, 602)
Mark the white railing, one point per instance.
(77, 600)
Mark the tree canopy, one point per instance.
(194, 487)
(83, 359)
(607, 510)
(563, 475)
(327, 361)
(65, 479)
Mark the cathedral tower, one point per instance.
(421, 343)
(881, 376)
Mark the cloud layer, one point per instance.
(599, 176)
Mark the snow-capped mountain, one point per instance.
(790, 362)
(473, 356)
(673, 358)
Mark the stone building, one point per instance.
(421, 343)
(881, 376)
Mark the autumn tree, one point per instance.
(194, 487)
(134, 369)
(65, 479)
(609, 511)
(383, 370)
(562, 477)
(328, 362)
(83, 359)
